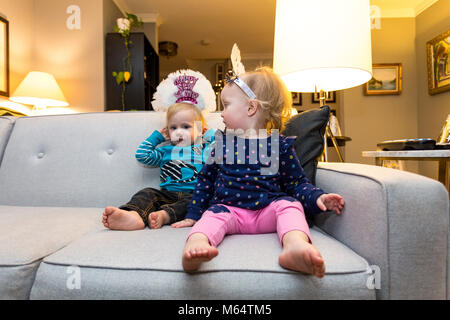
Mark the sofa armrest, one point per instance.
(397, 220)
(6, 125)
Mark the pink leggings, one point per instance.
(281, 216)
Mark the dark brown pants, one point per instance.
(149, 199)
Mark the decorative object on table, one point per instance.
(330, 97)
(123, 27)
(438, 62)
(145, 78)
(387, 79)
(334, 124)
(41, 90)
(296, 98)
(4, 57)
(407, 144)
(308, 65)
(185, 86)
(444, 136)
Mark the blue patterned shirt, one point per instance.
(179, 165)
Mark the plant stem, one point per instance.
(123, 95)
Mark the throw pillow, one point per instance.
(309, 128)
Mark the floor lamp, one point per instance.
(322, 46)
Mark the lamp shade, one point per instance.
(41, 90)
(322, 44)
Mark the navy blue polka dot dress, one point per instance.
(250, 174)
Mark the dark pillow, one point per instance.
(309, 128)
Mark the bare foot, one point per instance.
(197, 251)
(299, 255)
(118, 219)
(157, 219)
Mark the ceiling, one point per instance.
(220, 23)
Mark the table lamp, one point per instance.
(40, 90)
(323, 45)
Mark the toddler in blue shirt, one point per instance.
(183, 95)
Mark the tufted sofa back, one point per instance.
(83, 160)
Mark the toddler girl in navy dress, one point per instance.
(253, 182)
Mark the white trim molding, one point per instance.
(405, 11)
(424, 5)
(151, 17)
(123, 7)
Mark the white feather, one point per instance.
(238, 67)
(164, 96)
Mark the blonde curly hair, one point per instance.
(272, 95)
(177, 107)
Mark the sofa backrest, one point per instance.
(6, 125)
(84, 160)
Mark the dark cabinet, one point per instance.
(144, 78)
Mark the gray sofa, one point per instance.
(57, 173)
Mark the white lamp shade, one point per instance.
(39, 89)
(322, 44)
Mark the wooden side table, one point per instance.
(442, 156)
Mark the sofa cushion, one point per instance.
(79, 160)
(150, 259)
(28, 234)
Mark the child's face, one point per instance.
(183, 129)
(235, 104)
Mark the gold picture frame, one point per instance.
(438, 63)
(386, 80)
(4, 57)
(296, 98)
(330, 97)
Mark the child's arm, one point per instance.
(295, 183)
(203, 193)
(147, 152)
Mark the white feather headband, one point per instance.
(239, 69)
(186, 86)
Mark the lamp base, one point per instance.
(328, 133)
(38, 109)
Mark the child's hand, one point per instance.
(183, 223)
(165, 133)
(330, 201)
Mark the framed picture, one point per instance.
(220, 72)
(386, 79)
(296, 98)
(438, 62)
(331, 97)
(4, 57)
